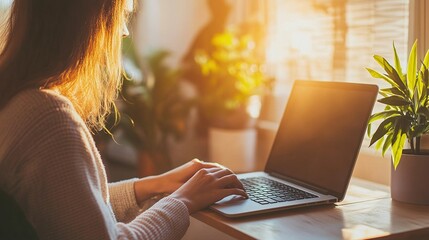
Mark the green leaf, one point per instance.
(391, 72)
(379, 143)
(394, 101)
(383, 94)
(397, 148)
(425, 61)
(416, 100)
(376, 74)
(396, 129)
(423, 82)
(392, 91)
(387, 143)
(412, 68)
(425, 76)
(383, 115)
(368, 129)
(398, 64)
(384, 127)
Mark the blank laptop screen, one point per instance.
(321, 133)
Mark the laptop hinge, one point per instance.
(317, 189)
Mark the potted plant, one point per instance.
(152, 110)
(405, 117)
(233, 77)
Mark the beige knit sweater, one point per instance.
(50, 165)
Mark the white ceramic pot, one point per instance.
(233, 148)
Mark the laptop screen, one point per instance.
(321, 133)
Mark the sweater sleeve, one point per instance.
(60, 188)
(157, 222)
(123, 200)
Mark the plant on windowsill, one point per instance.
(406, 116)
(233, 82)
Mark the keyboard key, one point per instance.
(266, 191)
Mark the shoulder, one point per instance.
(40, 105)
(37, 113)
(40, 128)
(43, 100)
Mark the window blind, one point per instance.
(333, 39)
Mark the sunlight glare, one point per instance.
(254, 106)
(362, 231)
(301, 42)
(5, 3)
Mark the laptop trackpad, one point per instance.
(231, 200)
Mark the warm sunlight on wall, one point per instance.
(293, 43)
(5, 3)
(333, 39)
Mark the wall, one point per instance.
(171, 25)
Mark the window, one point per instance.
(4, 4)
(333, 39)
(4, 7)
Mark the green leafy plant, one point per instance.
(406, 115)
(232, 73)
(155, 107)
(152, 107)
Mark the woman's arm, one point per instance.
(128, 196)
(123, 196)
(60, 186)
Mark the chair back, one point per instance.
(13, 223)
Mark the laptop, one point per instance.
(314, 151)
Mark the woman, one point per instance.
(59, 75)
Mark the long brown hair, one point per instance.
(72, 46)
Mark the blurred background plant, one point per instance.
(152, 109)
(233, 80)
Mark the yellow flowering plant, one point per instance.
(232, 73)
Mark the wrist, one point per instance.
(148, 187)
(184, 200)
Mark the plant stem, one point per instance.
(418, 145)
(412, 144)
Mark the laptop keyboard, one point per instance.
(266, 191)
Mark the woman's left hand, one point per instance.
(175, 178)
(170, 181)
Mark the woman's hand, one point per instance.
(208, 186)
(170, 181)
(174, 179)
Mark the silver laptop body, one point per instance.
(314, 151)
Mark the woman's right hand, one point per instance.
(208, 186)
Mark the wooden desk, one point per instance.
(366, 212)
